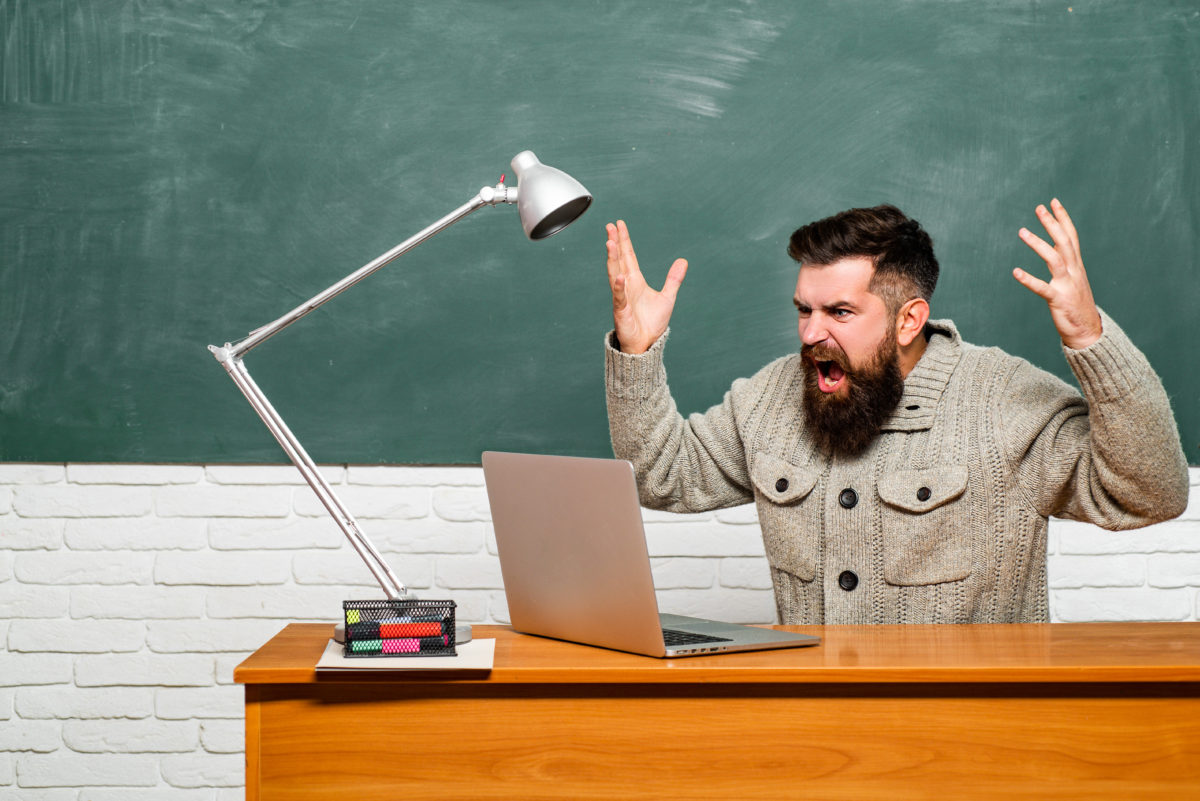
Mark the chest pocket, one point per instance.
(926, 529)
(791, 527)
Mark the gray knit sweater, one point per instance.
(947, 515)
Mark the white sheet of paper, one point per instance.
(474, 655)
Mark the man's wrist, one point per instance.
(631, 347)
(1086, 338)
(1081, 343)
(613, 340)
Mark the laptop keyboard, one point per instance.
(677, 637)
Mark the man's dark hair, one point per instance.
(902, 252)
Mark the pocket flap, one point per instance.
(780, 480)
(922, 490)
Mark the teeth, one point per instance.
(829, 374)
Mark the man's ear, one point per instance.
(910, 321)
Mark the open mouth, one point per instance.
(830, 375)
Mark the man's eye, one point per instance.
(841, 313)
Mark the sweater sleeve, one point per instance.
(691, 465)
(1112, 457)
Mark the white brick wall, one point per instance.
(128, 593)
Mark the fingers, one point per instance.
(618, 293)
(675, 278)
(1052, 226)
(1058, 224)
(614, 265)
(1064, 220)
(625, 246)
(621, 258)
(1039, 246)
(1068, 292)
(1034, 285)
(624, 275)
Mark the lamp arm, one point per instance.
(488, 196)
(392, 586)
(230, 357)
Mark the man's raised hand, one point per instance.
(640, 314)
(1068, 293)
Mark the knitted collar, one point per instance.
(925, 383)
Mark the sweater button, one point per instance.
(923, 494)
(781, 485)
(847, 580)
(848, 498)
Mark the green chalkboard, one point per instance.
(176, 173)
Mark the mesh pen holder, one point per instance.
(399, 628)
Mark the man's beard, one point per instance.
(846, 425)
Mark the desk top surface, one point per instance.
(1003, 653)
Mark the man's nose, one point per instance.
(812, 331)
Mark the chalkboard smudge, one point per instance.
(67, 53)
(701, 69)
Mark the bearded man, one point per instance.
(900, 474)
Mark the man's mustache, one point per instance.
(826, 353)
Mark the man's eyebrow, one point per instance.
(837, 304)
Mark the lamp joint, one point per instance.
(495, 195)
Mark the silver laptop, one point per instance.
(575, 565)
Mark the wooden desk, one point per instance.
(1060, 711)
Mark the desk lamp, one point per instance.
(547, 200)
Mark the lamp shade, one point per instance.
(548, 200)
